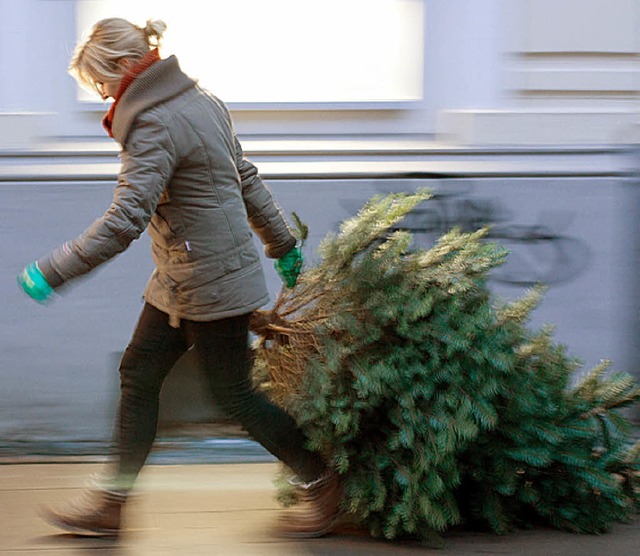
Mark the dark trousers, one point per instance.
(222, 351)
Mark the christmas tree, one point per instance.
(434, 401)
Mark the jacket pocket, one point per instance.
(170, 230)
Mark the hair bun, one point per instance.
(154, 29)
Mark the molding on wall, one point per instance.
(537, 127)
(576, 50)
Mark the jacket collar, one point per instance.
(160, 82)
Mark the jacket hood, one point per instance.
(160, 82)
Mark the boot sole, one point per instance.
(293, 534)
(54, 520)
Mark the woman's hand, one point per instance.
(34, 284)
(289, 266)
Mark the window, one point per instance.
(287, 52)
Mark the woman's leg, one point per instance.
(222, 350)
(152, 352)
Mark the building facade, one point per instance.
(520, 114)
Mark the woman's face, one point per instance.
(108, 89)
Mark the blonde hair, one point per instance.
(96, 59)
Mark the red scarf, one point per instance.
(144, 63)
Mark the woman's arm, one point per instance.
(265, 216)
(147, 165)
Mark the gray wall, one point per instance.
(58, 364)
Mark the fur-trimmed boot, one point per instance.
(96, 513)
(318, 511)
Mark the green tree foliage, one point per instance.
(436, 404)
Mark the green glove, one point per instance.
(35, 285)
(289, 266)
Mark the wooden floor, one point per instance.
(225, 510)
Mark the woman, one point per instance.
(184, 176)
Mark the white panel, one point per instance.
(581, 26)
(255, 51)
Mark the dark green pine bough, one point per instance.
(436, 403)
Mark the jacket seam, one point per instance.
(210, 173)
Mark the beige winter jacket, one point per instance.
(184, 175)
